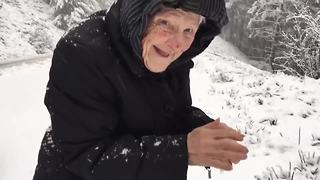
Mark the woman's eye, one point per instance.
(163, 23)
(189, 30)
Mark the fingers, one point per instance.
(225, 165)
(213, 124)
(216, 144)
(225, 133)
(208, 161)
(222, 155)
(235, 161)
(206, 141)
(234, 157)
(222, 149)
(210, 145)
(230, 145)
(219, 125)
(224, 126)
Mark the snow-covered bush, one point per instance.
(307, 168)
(70, 12)
(301, 42)
(41, 40)
(266, 23)
(315, 140)
(292, 28)
(236, 30)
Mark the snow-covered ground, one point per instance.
(23, 118)
(270, 109)
(279, 114)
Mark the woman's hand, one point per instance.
(215, 144)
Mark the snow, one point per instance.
(229, 89)
(269, 108)
(279, 114)
(125, 151)
(175, 143)
(26, 29)
(23, 118)
(157, 143)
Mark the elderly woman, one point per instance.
(119, 96)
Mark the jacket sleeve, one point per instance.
(85, 122)
(190, 117)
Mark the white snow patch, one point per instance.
(125, 151)
(175, 142)
(157, 143)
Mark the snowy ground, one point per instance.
(23, 119)
(270, 109)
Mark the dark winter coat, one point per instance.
(112, 119)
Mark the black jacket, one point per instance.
(112, 119)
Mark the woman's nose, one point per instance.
(177, 42)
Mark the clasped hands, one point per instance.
(216, 144)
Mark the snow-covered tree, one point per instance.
(301, 39)
(70, 12)
(266, 23)
(41, 40)
(237, 32)
(292, 28)
(266, 16)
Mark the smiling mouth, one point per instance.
(161, 53)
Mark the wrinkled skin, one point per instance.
(170, 33)
(215, 144)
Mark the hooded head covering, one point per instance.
(136, 14)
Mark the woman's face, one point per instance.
(170, 33)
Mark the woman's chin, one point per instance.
(156, 67)
(157, 63)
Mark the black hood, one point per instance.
(134, 16)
